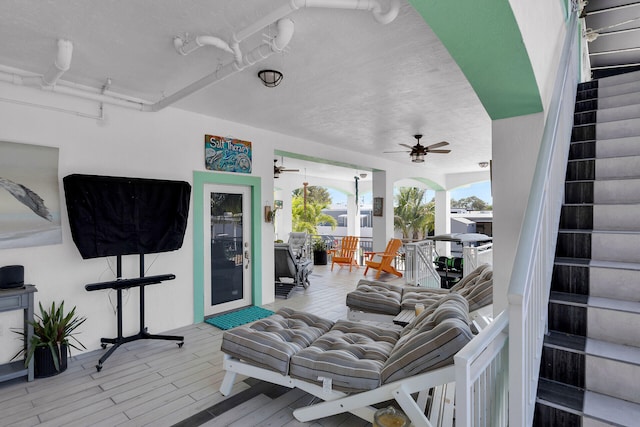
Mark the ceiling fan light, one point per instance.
(270, 78)
(417, 157)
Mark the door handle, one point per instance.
(248, 258)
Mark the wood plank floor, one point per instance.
(152, 382)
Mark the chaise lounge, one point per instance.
(351, 365)
(380, 301)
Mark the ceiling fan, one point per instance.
(419, 151)
(277, 170)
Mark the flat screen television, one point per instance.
(112, 216)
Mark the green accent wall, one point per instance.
(199, 180)
(483, 38)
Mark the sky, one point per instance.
(481, 190)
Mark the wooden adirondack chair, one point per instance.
(346, 253)
(385, 259)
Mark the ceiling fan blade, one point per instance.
(439, 151)
(289, 170)
(405, 145)
(438, 144)
(403, 151)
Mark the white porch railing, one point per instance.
(419, 269)
(473, 256)
(482, 380)
(482, 368)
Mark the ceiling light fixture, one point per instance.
(270, 78)
(417, 157)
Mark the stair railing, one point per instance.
(533, 265)
(419, 269)
(473, 256)
(494, 358)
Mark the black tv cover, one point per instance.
(112, 216)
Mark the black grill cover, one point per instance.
(121, 216)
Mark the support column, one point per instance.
(515, 146)
(353, 216)
(443, 221)
(383, 225)
(283, 223)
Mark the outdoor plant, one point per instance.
(52, 328)
(319, 245)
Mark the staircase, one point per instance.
(590, 368)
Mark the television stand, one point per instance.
(119, 284)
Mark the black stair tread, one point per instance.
(572, 261)
(560, 394)
(567, 341)
(567, 298)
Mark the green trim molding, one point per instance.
(484, 39)
(199, 180)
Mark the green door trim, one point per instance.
(199, 180)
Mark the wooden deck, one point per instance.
(156, 383)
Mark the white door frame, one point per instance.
(199, 179)
(247, 299)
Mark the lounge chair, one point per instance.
(379, 301)
(351, 365)
(382, 261)
(298, 243)
(346, 253)
(288, 266)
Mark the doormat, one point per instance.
(237, 318)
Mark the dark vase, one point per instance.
(43, 362)
(320, 257)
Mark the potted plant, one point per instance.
(319, 252)
(53, 336)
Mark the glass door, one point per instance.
(227, 250)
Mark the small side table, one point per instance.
(19, 299)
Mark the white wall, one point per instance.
(516, 142)
(543, 28)
(164, 145)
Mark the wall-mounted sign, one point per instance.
(227, 154)
(377, 206)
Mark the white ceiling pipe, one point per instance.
(60, 65)
(65, 88)
(293, 5)
(371, 5)
(285, 33)
(200, 41)
(240, 63)
(260, 53)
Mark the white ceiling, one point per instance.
(349, 81)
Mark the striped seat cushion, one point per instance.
(270, 342)
(477, 287)
(430, 342)
(375, 297)
(351, 355)
(413, 295)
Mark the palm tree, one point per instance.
(413, 217)
(309, 219)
